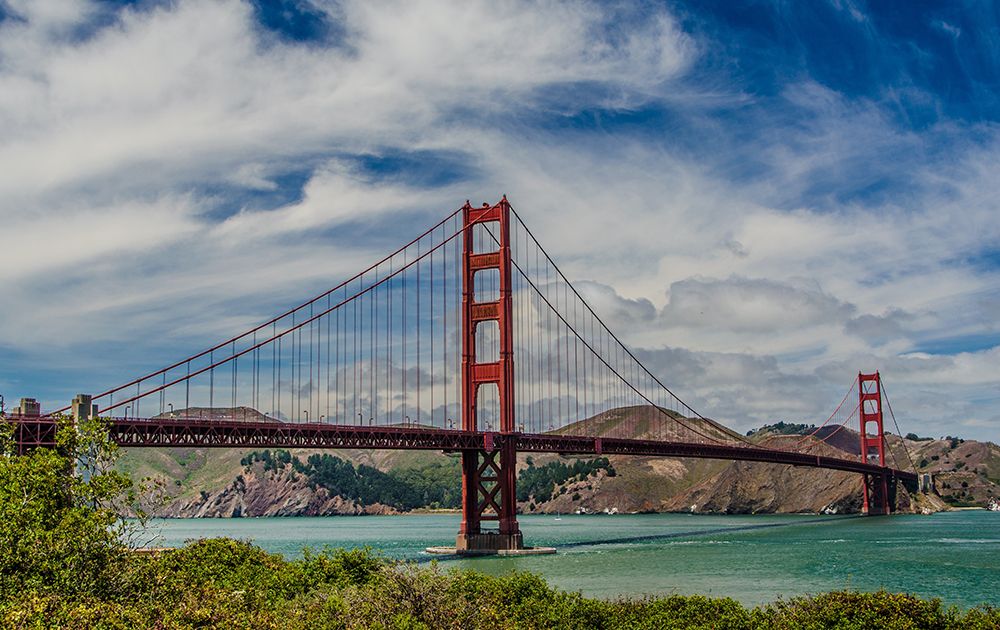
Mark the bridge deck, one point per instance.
(235, 434)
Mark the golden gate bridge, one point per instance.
(470, 339)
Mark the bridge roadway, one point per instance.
(181, 431)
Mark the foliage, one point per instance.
(63, 564)
(783, 428)
(541, 481)
(228, 583)
(272, 461)
(953, 442)
(435, 484)
(59, 526)
(848, 610)
(365, 484)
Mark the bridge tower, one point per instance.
(488, 474)
(875, 488)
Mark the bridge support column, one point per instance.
(877, 490)
(489, 474)
(83, 408)
(877, 498)
(488, 494)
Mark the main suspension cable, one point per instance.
(817, 429)
(601, 358)
(280, 335)
(269, 322)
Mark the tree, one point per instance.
(60, 529)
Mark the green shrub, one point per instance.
(59, 529)
(339, 567)
(540, 481)
(63, 564)
(848, 610)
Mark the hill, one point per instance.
(234, 482)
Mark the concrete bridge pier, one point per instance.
(83, 408)
(879, 495)
(925, 483)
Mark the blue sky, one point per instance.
(766, 196)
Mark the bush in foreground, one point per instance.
(223, 583)
(64, 562)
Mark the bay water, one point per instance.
(954, 556)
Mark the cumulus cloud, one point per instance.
(110, 139)
(750, 305)
(628, 313)
(176, 172)
(192, 88)
(747, 390)
(878, 329)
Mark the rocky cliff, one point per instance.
(255, 492)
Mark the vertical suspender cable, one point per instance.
(403, 330)
(445, 338)
(329, 319)
(388, 343)
(430, 322)
(419, 290)
(372, 379)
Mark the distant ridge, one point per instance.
(200, 482)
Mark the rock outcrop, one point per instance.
(256, 492)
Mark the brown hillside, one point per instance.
(202, 482)
(646, 422)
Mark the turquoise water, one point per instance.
(954, 555)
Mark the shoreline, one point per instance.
(459, 512)
(665, 552)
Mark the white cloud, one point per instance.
(950, 29)
(108, 144)
(186, 93)
(878, 329)
(750, 305)
(628, 314)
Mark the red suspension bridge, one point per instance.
(468, 339)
